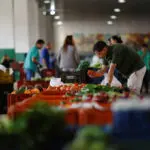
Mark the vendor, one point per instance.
(123, 58)
(32, 59)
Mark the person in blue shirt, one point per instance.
(52, 60)
(45, 56)
(32, 59)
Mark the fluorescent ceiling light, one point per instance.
(121, 1)
(59, 23)
(57, 17)
(52, 8)
(109, 22)
(117, 10)
(113, 17)
(46, 1)
(52, 12)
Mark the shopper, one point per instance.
(109, 42)
(52, 60)
(68, 58)
(145, 55)
(126, 60)
(45, 56)
(6, 61)
(115, 39)
(32, 59)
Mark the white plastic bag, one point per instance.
(56, 82)
(3, 68)
(115, 82)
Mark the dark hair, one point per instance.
(117, 39)
(40, 41)
(109, 39)
(144, 45)
(68, 41)
(99, 46)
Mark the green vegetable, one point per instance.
(36, 129)
(93, 88)
(97, 66)
(89, 138)
(21, 90)
(84, 65)
(6, 125)
(76, 99)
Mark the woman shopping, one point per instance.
(68, 58)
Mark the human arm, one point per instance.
(99, 73)
(111, 73)
(35, 57)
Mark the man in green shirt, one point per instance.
(145, 55)
(32, 59)
(122, 58)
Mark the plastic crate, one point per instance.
(47, 73)
(94, 117)
(44, 84)
(74, 77)
(72, 117)
(14, 98)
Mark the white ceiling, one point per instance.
(72, 9)
(104, 6)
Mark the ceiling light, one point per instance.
(52, 8)
(109, 22)
(117, 10)
(46, 1)
(44, 13)
(57, 17)
(113, 17)
(121, 1)
(52, 12)
(59, 23)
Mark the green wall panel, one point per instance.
(9, 52)
(20, 56)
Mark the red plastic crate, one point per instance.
(72, 117)
(48, 73)
(44, 84)
(94, 117)
(12, 99)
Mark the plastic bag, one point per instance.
(115, 82)
(56, 82)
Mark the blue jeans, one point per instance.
(29, 74)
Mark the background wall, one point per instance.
(85, 25)
(6, 24)
(21, 24)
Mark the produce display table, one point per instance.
(12, 99)
(65, 96)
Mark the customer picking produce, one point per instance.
(122, 58)
(32, 59)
